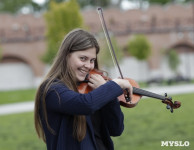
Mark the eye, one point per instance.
(92, 61)
(83, 58)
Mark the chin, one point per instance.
(80, 79)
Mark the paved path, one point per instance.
(170, 90)
(16, 108)
(29, 106)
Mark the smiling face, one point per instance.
(81, 62)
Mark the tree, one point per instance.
(142, 3)
(60, 19)
(105, 57)
(139, 47)
(102, 3)
(173, 60)
(13, 6)
(160, 1)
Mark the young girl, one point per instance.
(68, 120)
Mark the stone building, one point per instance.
(23, 44)
(22, 40)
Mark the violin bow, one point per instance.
(111, 49)
(166, 100)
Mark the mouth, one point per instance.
(83, 71)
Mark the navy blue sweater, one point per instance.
(62, 104)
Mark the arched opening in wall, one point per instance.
(185, 53)
(15, 73)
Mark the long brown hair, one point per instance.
(76, 40)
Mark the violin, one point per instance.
(137, 93)
(124, 99)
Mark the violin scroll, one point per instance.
(170, 104)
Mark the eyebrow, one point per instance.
(87, 56)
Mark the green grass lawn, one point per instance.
(150, 122)
(146, 126)
(17, 96)
(17, 133)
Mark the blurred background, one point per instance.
(154, 43)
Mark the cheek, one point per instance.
(72, 61)
(78, 63)
(75, 64)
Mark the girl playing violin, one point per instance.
(68, 120)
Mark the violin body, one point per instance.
(84, 88)
(135, 97)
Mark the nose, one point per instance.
(89, 65)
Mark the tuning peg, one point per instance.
(165, 94)
(170, 98)
(168, 106)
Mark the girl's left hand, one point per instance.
(96, 80)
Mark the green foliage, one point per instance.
(60, 19)
(160, 1)
(139, 47)
(105, 57)
(13, 6)
(101, 3)
(84, 3)
(163, 2)
(173, 59)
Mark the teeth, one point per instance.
(83, 71)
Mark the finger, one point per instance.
(130, 89)
(97, 76)
(93, 76)
(100, 77)
(97, 79)
(91, 85)
(91, 80)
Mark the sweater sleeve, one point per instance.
(113, 118)
(62, 100)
